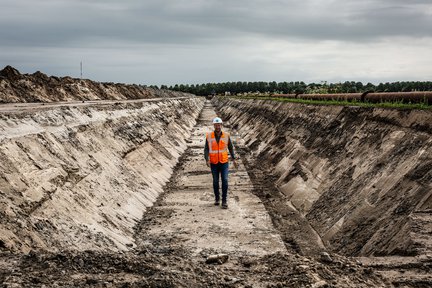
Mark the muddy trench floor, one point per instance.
(176, 237)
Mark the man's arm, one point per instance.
(231, 151)
(231, 148)
(206, 151)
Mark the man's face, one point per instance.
(217, 127)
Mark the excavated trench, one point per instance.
(117, 194)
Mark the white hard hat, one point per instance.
(217, 120)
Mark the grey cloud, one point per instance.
(56, 23)
(209, 36)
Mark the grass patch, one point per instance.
(393, 105)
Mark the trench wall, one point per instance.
(361, 176)
(81, 177)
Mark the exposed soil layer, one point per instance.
(360, 177)
(80, 177)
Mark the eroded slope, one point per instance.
(362, 177)
(81, 177)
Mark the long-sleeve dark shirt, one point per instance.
(230, 147)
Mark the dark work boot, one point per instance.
(224, 205)
(216, 203)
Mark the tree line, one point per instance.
(298, 87)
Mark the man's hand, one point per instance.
(235, 164)
(208, 163)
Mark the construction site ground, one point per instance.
(105, 185)
(184, 240)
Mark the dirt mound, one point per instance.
(144, 268)
(10, 73)
(38, 87)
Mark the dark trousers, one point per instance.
(222, 171)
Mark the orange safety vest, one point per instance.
(218, 152)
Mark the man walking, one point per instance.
(216, 149)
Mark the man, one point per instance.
(216, 149)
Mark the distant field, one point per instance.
(399, 104)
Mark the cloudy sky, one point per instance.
(200, 41)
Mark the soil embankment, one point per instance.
(80, 177)
(360, 177)
(38, 87)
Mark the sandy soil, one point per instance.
(80, 177)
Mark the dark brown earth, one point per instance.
(38, 87)
(176, 269)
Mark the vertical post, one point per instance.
(81, 69)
